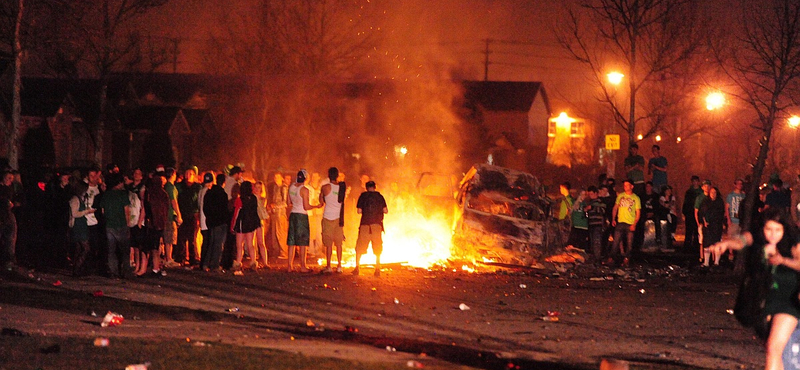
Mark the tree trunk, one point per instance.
(758, 171)
(16, 110)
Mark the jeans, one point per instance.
(118, 251)
(216, 237)
(596, 241)
(622, 230)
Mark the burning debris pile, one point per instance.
(503, 217)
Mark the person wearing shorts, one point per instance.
(332, 197)
(371, 206)
(299, 230)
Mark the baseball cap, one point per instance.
(208, 178)
(234, 170)
(302, 175)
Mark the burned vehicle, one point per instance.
(503, 216)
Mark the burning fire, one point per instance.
(415, 235)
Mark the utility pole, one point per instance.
(486, 53)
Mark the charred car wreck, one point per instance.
(503, 216)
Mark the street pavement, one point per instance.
(664, 317)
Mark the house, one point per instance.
(514, 119)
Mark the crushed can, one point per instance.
(112, 319)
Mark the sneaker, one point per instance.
(327, 270)
(339, 270)
(355, 271)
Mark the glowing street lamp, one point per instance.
(794, 122)
(615, 78)
(715, 100)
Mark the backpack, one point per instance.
(135, 209)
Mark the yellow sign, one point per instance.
(612, 142)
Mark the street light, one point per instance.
(615, 78)
(794, 122)
(715, 100)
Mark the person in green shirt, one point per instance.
(579, 233)
(697, 202)
(626, 213)
(564, 207)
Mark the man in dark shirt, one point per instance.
(692, 241)
(215, 208)
(371, 206)
(188, 189)
(779, 198)
(115, 206)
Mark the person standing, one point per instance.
(332, 196)
(315, 216)
(299, 230)
(697, 203)
(278, 220)
(596, 212)
(188, 191)
(371, 205)
(156, 218)
(244, 223)
(208, 182)
(79, 229)
(174, 219)
(565, 203)
(215, 209)
(634, 169)
(97, 237)
(732, 204)
(668, 219)
(712, 217)
(657, 166)
(779, 198)
(115, 206)
(626, 214)
(263, 215)
(579, 233)
(691, 241)
(138, 231)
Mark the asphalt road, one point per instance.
(666, 317)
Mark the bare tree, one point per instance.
(293, 50)
(764, 65)
(652, 41)
(105, 41)
(24, 27)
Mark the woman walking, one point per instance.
(776, 245)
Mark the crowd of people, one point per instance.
(612, 226)
(141, 224)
